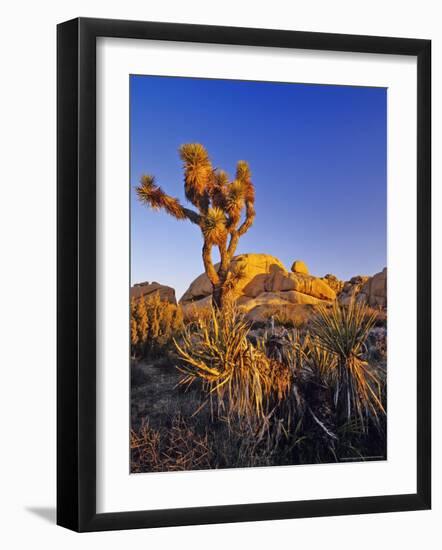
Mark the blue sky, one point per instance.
(318, 160)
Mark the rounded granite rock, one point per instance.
(299, 266)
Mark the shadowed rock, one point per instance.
(369, 290)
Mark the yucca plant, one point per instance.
(319, 359)
(240, 376)
(219, 204)
(343, 331)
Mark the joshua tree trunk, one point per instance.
(218, 296)
(217, 278)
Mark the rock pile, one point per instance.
(167, 293)
(266, 288)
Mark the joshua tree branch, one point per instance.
(151, 194)
(233, 243)
(192, 216)
(208, 264)
(235, 234)
(250, 216)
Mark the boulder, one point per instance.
(252, 267)
(333, 282)
(351, 289)
(299, 266)
(256, 286)
(277, 299)
(368, 290)
(280, 282)
(374, 290)
(262, 273)
(198, 289)
(265, 286)
(306, 284)
(166, 293)
(295, 297)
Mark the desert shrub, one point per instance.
(193, 313)
(342, 331)
(177, 447)
(289, 316)
(145, 449)
(154, 323)
(271, 397)
(294, 317)
(306, 415)
(380, 316)
(315, 417)
(237, 375)
(133, 325)
(286, 319)
(182, 445)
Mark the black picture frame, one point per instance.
(76, 274)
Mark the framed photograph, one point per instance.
(243, 274)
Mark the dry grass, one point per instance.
(290, 318)
(178, 448)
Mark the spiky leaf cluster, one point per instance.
(214, 226)
(151, 194)
(197, 173)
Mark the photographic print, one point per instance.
(258, 299)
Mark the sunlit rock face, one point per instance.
(299, 266)
(251, 267)
(264, 284)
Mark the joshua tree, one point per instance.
(219, 203)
